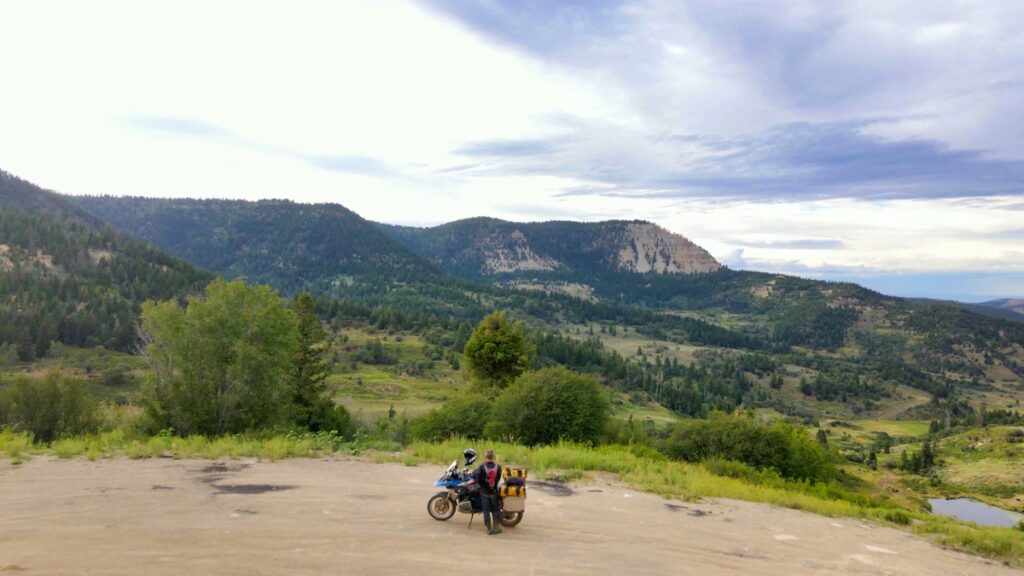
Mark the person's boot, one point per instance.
(497, 530)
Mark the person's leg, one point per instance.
(495, 514)
(485, 503)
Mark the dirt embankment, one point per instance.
(352, 517)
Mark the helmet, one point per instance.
(469, 455)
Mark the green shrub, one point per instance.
(740, 471)
(781, 446)
(326, 416)
(51, 408)
(463, 416)
(630, 431)
(550, 405)
(897, 517)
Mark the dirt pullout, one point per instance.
(354, 517)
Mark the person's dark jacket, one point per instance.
(481, 478)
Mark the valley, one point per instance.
(861, 348)
(724, 288)
(904, 400)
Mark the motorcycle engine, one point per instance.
(466, 506)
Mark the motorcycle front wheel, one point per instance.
(440, 506)
(510, 519)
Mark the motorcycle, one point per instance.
(462, 494)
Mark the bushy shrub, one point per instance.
(781, 446)
(119, 378)
(326, 416)
(740, 471)
(631, 431)
(51, 408)
(897, 517)
(374, 352)
(549, 405)
(463, 416)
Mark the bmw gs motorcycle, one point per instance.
(463, 494)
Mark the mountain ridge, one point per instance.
(294, 246)
(1013, 305)
(486, 247)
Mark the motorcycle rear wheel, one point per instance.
(510, 519)
(440, 506)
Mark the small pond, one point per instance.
(973, 511)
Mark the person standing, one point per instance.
(488, 477)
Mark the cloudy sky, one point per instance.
(879, 142)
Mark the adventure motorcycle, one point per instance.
(463, 494)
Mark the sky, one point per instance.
(874, 142)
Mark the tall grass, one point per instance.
(18, 445)
(651, 472)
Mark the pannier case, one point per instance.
(513, 493)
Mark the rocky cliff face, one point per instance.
(487, 247)
(647, 247)
(511, 252)
(639, 247)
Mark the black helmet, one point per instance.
(469, 455)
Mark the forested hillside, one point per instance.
(320, 247)
(756, 339)
(1014, 306)
(65, 276)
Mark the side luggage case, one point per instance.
(513, 492)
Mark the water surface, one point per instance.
(973, 511)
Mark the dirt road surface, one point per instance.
(352, 517)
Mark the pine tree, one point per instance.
(497, 352)
(313, 406)
(822, 437)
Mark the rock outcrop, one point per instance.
(504, 253)
(573, 252)
(648, 247)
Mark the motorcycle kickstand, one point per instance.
(471, 516)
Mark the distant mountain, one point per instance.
(66, 276)
(1014, 305)
(292, 246)
(487, 247)
(992, 309)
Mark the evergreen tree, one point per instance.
(313, 406)
(497, 352)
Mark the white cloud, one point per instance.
(246, 99)
(383, 80)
